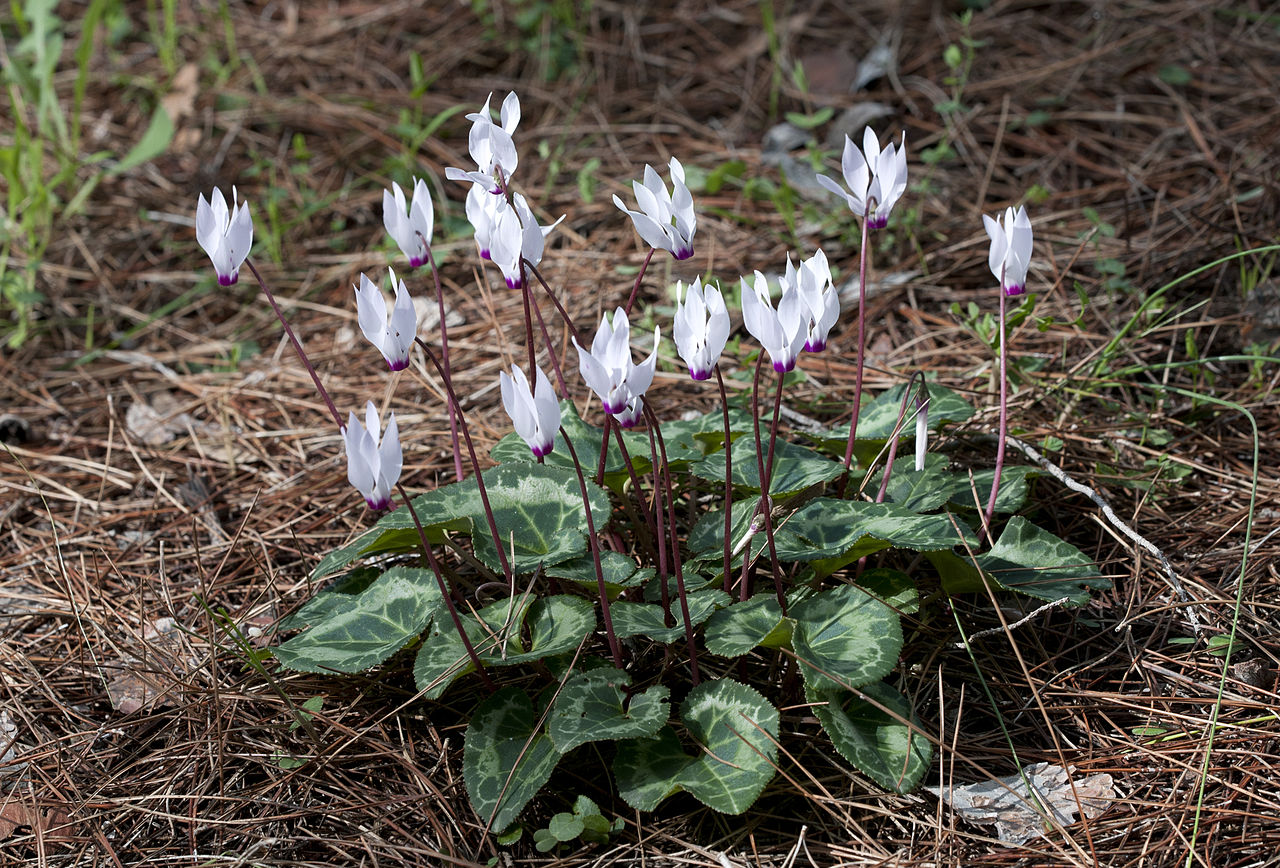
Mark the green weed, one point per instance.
(48, 177)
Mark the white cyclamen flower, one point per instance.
(1010, 255)
(781, 332)
(482, 212)
(492, 146)
(392, 336)
(665, 220)
(226, 234)
(535, 414)
(608, 368)
(822, 303)
(516, 236)
(876, 178)
(701, 327)
(373, 467)
(632, 413)
(410, 226)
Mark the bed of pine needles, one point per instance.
(171, 476)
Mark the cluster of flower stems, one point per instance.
(507, 233)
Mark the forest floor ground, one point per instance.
(171, 477)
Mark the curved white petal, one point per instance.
(652, 232)
(402, 328)
(360, 473)
(510, 114)
(391, 458)
(594, 374)
(640, 377)
(371, 313)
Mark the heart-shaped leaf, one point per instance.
(539, 507)
(647, 770)
(1013, 490)
(374, 624)
(923, 490)
(845, 638)
(647, 619)
(795, 468)
(736, 629)
(840, 531)
(736, 730)
(894, 587)
(590, 707)
(555, 625)
(443, 658)
(881, 737)
(1034, 562)
(505, 760)
(325, 602)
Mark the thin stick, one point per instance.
(893, 438)
(531, 301)
(744, 589)
(1110, 515)
(767, 489)
(609, 421)
(564, 315)
(528, 323)
(635, 479)
(661, 536)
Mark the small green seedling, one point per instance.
(585, 823)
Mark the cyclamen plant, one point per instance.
(539, 587)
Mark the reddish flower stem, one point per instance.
(507, 571)
(446, 592)
(614, 648)
(862, 342)
(728, 478)
(675, 545)
(639, 277)
(573, 330)
(297, 347)
(1004, 416)
(660, 518)
(444, 357)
